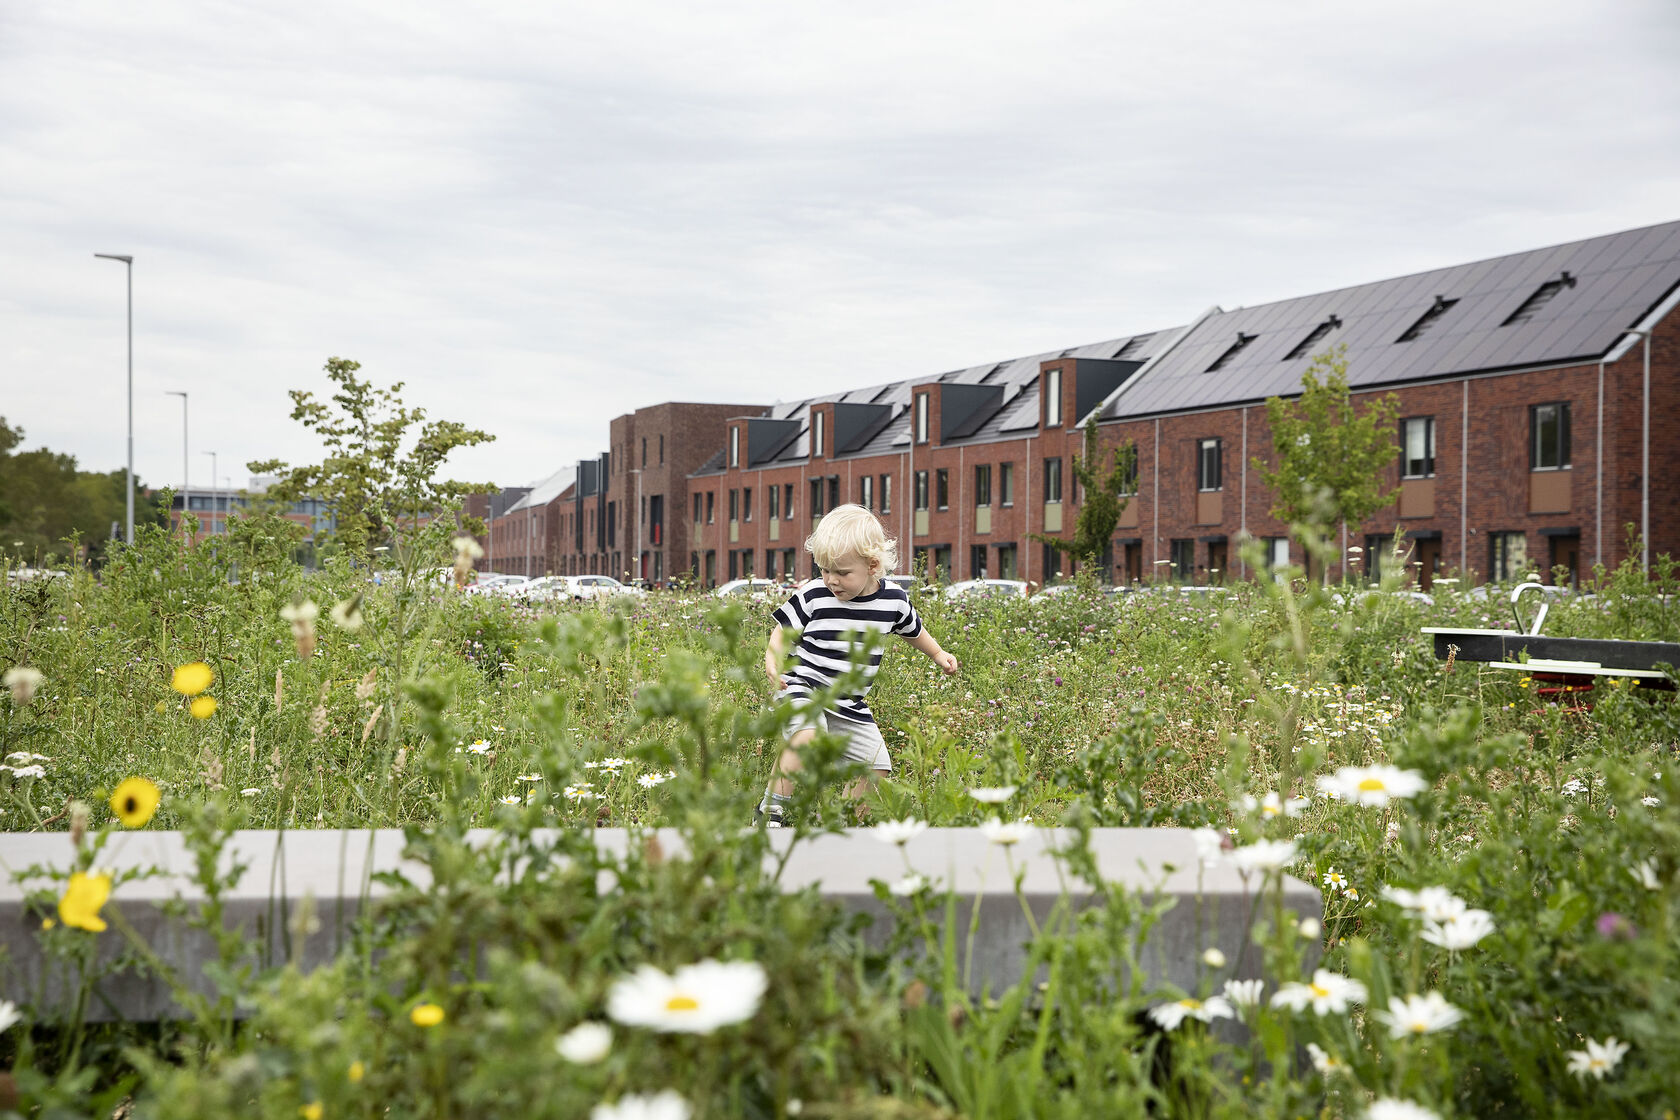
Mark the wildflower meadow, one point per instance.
(1500, 869)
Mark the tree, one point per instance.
(1330, 456)
(45, 499)
(1101, 506)
(372, 479)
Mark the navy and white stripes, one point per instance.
(830, 629)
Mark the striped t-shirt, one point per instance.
(829, 629)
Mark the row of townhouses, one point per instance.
(1537, 397)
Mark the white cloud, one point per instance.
(540, 218)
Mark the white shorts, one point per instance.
(864, 744)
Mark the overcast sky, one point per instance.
(540, 216)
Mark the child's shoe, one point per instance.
(773, 817)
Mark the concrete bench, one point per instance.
(333, 869)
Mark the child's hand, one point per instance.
(947, 661)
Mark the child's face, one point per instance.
(851, 576)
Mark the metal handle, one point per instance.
(1539, 616)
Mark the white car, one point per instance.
(969, 588)
(598, 587)
(497, 582)
(543, 589)
(756, 589)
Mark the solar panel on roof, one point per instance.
(1543, 295)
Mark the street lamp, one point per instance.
(641, 575)
(213, 491)
(186, 483)
(129, 262)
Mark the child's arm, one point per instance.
(773, 658)
(928, 644)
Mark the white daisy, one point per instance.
(1645, 874)
(1245, 993)
(648, 781)
(1272, 805)
(899, 832)
(1264, 855)
(530, 777)
(664, 1105)
(1168, 1016)
(511, 799)
(1335, 880)
(1417, 1015)
(9, 1015)
(479, 746)
(1005, 834)
(992, 795)
(1328, 992)
(585, 1044)
(1460, 931)
(1393, 1108)
(1210, 846)
(696, 999)
(250, 791)
(1325, 1062)
(1375, 786)
(1433, 904)
(1598, 1059)
(909, 885)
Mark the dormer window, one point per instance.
(735, 446)
(1304, 347)
(921, 417)
(1232, 351)
(1053, 398)
(1543, 295)
(818, 431)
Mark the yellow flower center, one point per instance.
(682, 1003)
(1318, 992)
(1371, 785)
(1191, 1004)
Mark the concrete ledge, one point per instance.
(333, 870)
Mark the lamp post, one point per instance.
(640, 575)
(129, 263)
(186, 479)
(213, 493)
(1644, 455)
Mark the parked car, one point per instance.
(757, 589)
(494, 581)
(543, 589)
(902, 582)
(598, 587)
(969, 588)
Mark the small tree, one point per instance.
(1102, 504)
(372, 479)
(1330, 456)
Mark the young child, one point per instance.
(830, 612)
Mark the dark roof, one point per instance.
(1563, 304)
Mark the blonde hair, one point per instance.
(851, 530)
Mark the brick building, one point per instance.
(1508, 370)
(614, 514)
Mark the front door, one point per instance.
(1132, 564)
(1566, 553)
(1428, 562)
(1216, 562)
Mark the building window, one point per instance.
(817, 433)
(1231, 351)
(1417, 447)
(1052, 480)
(734, 564)
(773, 500)
(1052, 398)
(866, 491)
(977, 561)
(697, 510)
(1052, 563)
(1375, 546)
(921, 491)
(1509, 558)
(1209, 464)
(921, 417)
(662, 451)
(833, 491)
(769, 563)
(1441, 307)
(787, 564)
(1549, 439)
(746, 504)
(644, 451)
(983, 485)
(710, 494)
(816, 497)
(1006, 484)
(1006, 562)
(1129, 476)
(787, 501)
(1183, 558)
(734, 505)
(734, 455)
(942, 488)
(942, 562)
(1318, 334)
(1277, 553)
(1543, 295)
(886, 493)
